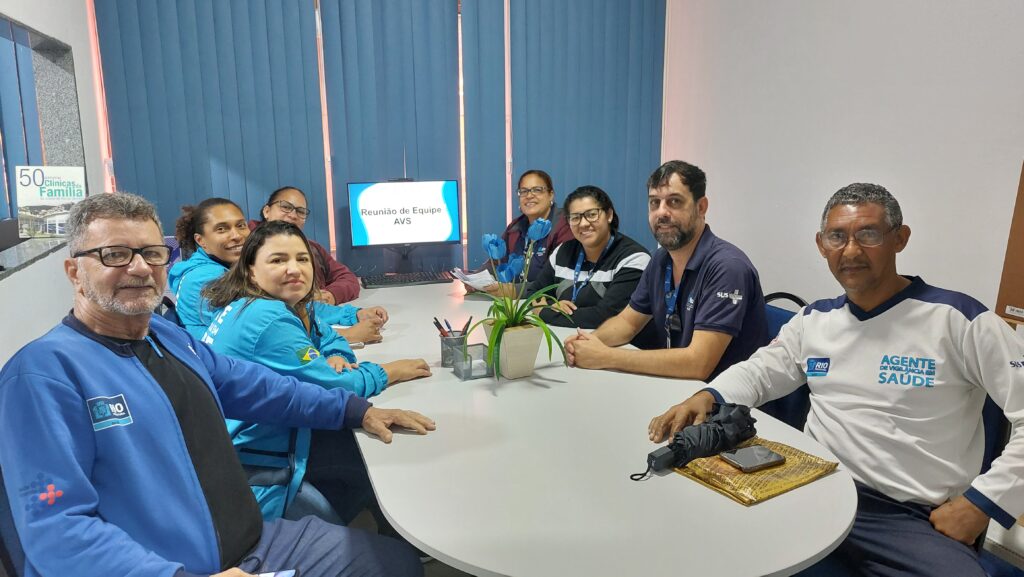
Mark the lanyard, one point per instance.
(671, 301)
(576, 286)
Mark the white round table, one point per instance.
(530, 477)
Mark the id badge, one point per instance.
(674, 324)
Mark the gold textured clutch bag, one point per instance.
(799, 469)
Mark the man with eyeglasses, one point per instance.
(898, 372)
(700, 292)
(116, 417)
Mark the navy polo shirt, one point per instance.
(720, 292)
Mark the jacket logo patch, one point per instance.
(107, 412)
(307, 355)
(40, 493)
(51, 494)
(818, 366)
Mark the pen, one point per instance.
(448, 324)
(440, 329)
(465, 329)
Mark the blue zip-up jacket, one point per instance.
(267, 332)
(125, 498)
(188, 277)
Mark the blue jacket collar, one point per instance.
(119, 347)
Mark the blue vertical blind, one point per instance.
(214, 98)
(483, 77)
(587, 97)
(221, 98)
(391, 71)
(20, 135)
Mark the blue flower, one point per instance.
(504, 274)
(508, 272)
(539, 229)
(494, 246)
(516, 263)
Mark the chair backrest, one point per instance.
(12, 557)
(778, 316)
(175, 249)
(997, 432)
(169, 310)
(791, 409)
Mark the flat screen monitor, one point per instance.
(404, 212)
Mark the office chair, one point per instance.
(168, 309)
(12, 557)
(167, 305)
(997, 434)
(172, 242)
(791, 409)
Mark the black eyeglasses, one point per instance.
(118, 256)
(591, 215)
(534, 191)
(289, 208)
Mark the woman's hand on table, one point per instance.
(406, 370)
(338, 363)
(369, 313)
(365, 331)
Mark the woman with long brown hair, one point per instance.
(267, 316)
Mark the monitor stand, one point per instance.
(404, 264)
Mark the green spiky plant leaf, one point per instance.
(507, 311)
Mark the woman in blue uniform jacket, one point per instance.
(267, 316)
(211, 235)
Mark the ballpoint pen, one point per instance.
(440, 329)
(465, 329)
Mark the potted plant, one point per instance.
(513, 326)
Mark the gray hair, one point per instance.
(866, 193)
(119, 205)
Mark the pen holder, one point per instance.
(451, 348)
(473, 363)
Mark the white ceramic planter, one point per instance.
(518, 350)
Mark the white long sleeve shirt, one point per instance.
(896, 393)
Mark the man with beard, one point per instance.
(112, 439)
(702, 293)
(898, 372)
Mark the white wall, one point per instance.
(67, 21)
(784, 102)
(34, 300)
